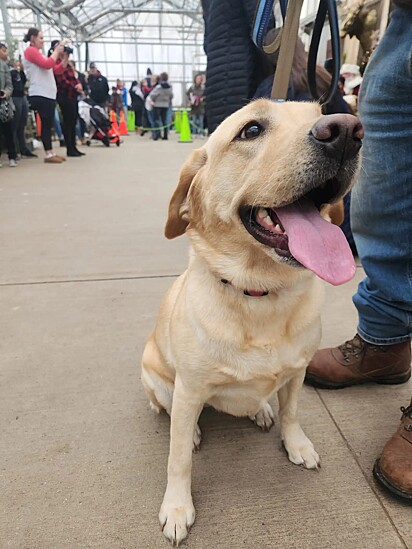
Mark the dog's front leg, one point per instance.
(299, 448)
(177, 512)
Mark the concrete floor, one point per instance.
(83, 459)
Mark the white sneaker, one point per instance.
(12, 163)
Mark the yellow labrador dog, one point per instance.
(243, 321)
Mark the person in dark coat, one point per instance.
(98, 86)
(235, 66)
(6, 90)
(19, 79)
(137, 97)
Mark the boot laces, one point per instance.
(352, 347)
(356, 346)
(406, 412)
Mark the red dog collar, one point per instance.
(250, 293)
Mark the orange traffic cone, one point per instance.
(113, 120)
(38, 124)
(123, 126)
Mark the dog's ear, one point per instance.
(177, 219)
(337, 213)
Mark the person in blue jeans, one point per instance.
(381, 214)
(58, 128)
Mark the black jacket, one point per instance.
(99, 88)
(18, 79)
(137, 101)
(235, 66)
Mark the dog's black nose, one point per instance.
(339, 135)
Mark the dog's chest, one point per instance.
(244, 378)
(259, 360)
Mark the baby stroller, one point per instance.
(98, 125)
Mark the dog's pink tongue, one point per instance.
(320, 246)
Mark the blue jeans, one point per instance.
(196, 122)
(381, 208)
(57, 125)
(169, 115)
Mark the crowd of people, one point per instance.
(151, 101)
(52, 87)
(50, 79)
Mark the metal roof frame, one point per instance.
(87, 20)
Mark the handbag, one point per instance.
(6, 110)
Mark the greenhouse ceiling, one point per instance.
(86, 20)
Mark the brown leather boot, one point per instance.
(357, 362)
(394, 468)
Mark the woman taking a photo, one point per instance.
(68, 89)
(42, 90)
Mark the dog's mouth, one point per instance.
(300, 236)
(265, 226)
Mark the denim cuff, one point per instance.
(383, 340)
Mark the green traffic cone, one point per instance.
(131, 121)
(178, 121)
(185, 135)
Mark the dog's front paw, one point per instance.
(176, 520)
(197, 438)
(301, 451)
(264, 418)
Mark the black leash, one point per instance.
(326, 7)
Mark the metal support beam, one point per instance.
(31, 5)
(6, 25)
(63, 10)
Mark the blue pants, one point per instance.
(197, 121)
(381, 208)
(57, 125)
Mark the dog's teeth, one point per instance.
(268, 220)
(278, 228)
(262, 212)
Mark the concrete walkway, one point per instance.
(83, 268)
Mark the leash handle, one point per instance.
(286, 50)
(326, 7)
(285, 41)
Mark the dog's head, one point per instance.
(257, 191)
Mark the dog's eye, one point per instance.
(251, 130)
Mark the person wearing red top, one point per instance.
(68, 88)
(42, 89)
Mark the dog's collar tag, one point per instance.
(250, 293)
